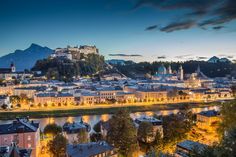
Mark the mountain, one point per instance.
(25, 59)
(215, 59)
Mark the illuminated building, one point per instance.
(53, 99)
(25, 133)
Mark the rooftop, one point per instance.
(75, 127)
(53, 94)
(14, 151)
(149, 119)
(3, 96)
(88, 149)
(191, 145)
(210, 113)
(20, 125)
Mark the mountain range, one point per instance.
(25, 59)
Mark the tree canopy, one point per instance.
(145, 132)
(64, 69)
(52, 129)
(57, 146)
(122, 133)
(209, 69)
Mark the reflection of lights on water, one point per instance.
(86, 119)
(104, 117)
(137, 114)
(70, 119)
(175, 111)
(164, 112)
(158, 113)
(216, 108)
(149, 113)
(50, 120)
(210, 108)
(197, 110)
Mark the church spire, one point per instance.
(198, 69)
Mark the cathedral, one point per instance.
(165, 75)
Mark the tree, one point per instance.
(174, 128)
(52, 129)
(187, 115)
(145, 132)
(14, 99)
(4, 106)
(57, 146)
(233, 88)
(227, 146)
(18, 105)
(94, 137)
(158, 142)
(229, 142)
(97, 127)
(66, 70)
(82, 136)
(228, 116)
(122, 133)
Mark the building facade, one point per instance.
(25, 133)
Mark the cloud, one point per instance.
(125, 55)
(178, 26)
(161, 57)
(202, 58)
(217, 27)
(203, 13)
(226, 56)
(184, 56)
(226, 12)
(150, 28)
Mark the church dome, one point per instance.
(162, 69)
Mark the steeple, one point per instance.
(13, 68)
(169, 70)
(181, 73)
(198, 69)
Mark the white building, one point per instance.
(85, 49)
(5, 100)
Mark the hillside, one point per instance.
(212, 70)
(25, 59)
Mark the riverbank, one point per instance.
(9, 115)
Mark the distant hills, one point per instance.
(25, 59)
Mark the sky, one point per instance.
(139, 30)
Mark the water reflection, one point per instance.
(93, 119)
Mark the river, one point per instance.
(93, 119)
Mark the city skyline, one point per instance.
(149, 30)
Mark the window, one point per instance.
(29, 145)
(5, 140)
(29, 138)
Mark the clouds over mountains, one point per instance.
(124, 55)
(201, 13)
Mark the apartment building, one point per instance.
(25, 133)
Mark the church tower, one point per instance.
(198, 69)
(181, 73)
(13, 68)
(169, 71)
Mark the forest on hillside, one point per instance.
(212, 70)
(66, 70)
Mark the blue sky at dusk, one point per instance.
(147, 29)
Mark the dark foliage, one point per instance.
(209, 69)
(53, 129)
(64, 69)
